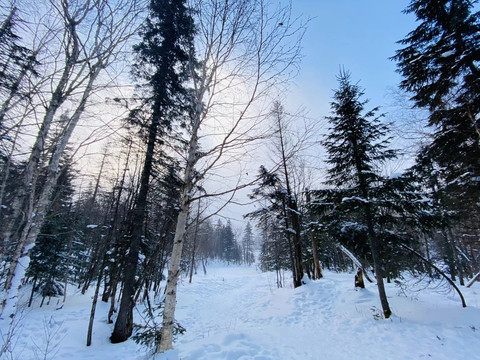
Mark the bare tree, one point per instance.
(92, 36)
(244, 48)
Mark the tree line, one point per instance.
(423, 220)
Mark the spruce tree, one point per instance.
(247, 245)
(440, 67)
(163, 58)
(356, 144)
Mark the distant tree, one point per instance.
(247, 245)
(275, 249)
(231, 252)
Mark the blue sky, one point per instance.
(358, 34)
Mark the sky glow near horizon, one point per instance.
(357, 35)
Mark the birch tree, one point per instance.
(244, 49)
(85, 39)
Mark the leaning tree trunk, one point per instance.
(377, 262)
(33, 225)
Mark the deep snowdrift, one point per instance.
(238, 313)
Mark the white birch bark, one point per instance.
(166, 338)
(241, 48)
(111, 31)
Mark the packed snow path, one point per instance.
(238, 313)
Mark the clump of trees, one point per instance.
(423, 220)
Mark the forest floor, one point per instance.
(236, 312)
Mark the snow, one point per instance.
(447, 53)
(354, 198)
(237, 313)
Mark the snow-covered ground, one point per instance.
(238, 313)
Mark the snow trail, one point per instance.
(237, 313)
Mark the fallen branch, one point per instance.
(475, 278)
(355, 260)
(464, 304)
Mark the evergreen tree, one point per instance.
(440, 67)
(231, 252)
(276, 215)
(275, 250)
(163, 57)
(356, 146)
(49, 264)
(247, 245)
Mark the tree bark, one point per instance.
(377, 262)
(166, 335)
(124, 323)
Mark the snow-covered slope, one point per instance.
(238, 313)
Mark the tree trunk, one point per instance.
(32, 225)
(166, 335)
(192, 262)
(124, 323)
(94, 306)
(377, 263)
(316, 260)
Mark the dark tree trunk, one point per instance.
(376, 261)
(124, 323)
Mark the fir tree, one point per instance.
(440, 67)
(356, 144)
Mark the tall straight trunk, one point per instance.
(166, 335)
(293, 264)
(293, 213)
(316, 260)
(192, 262)
(124, 323)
